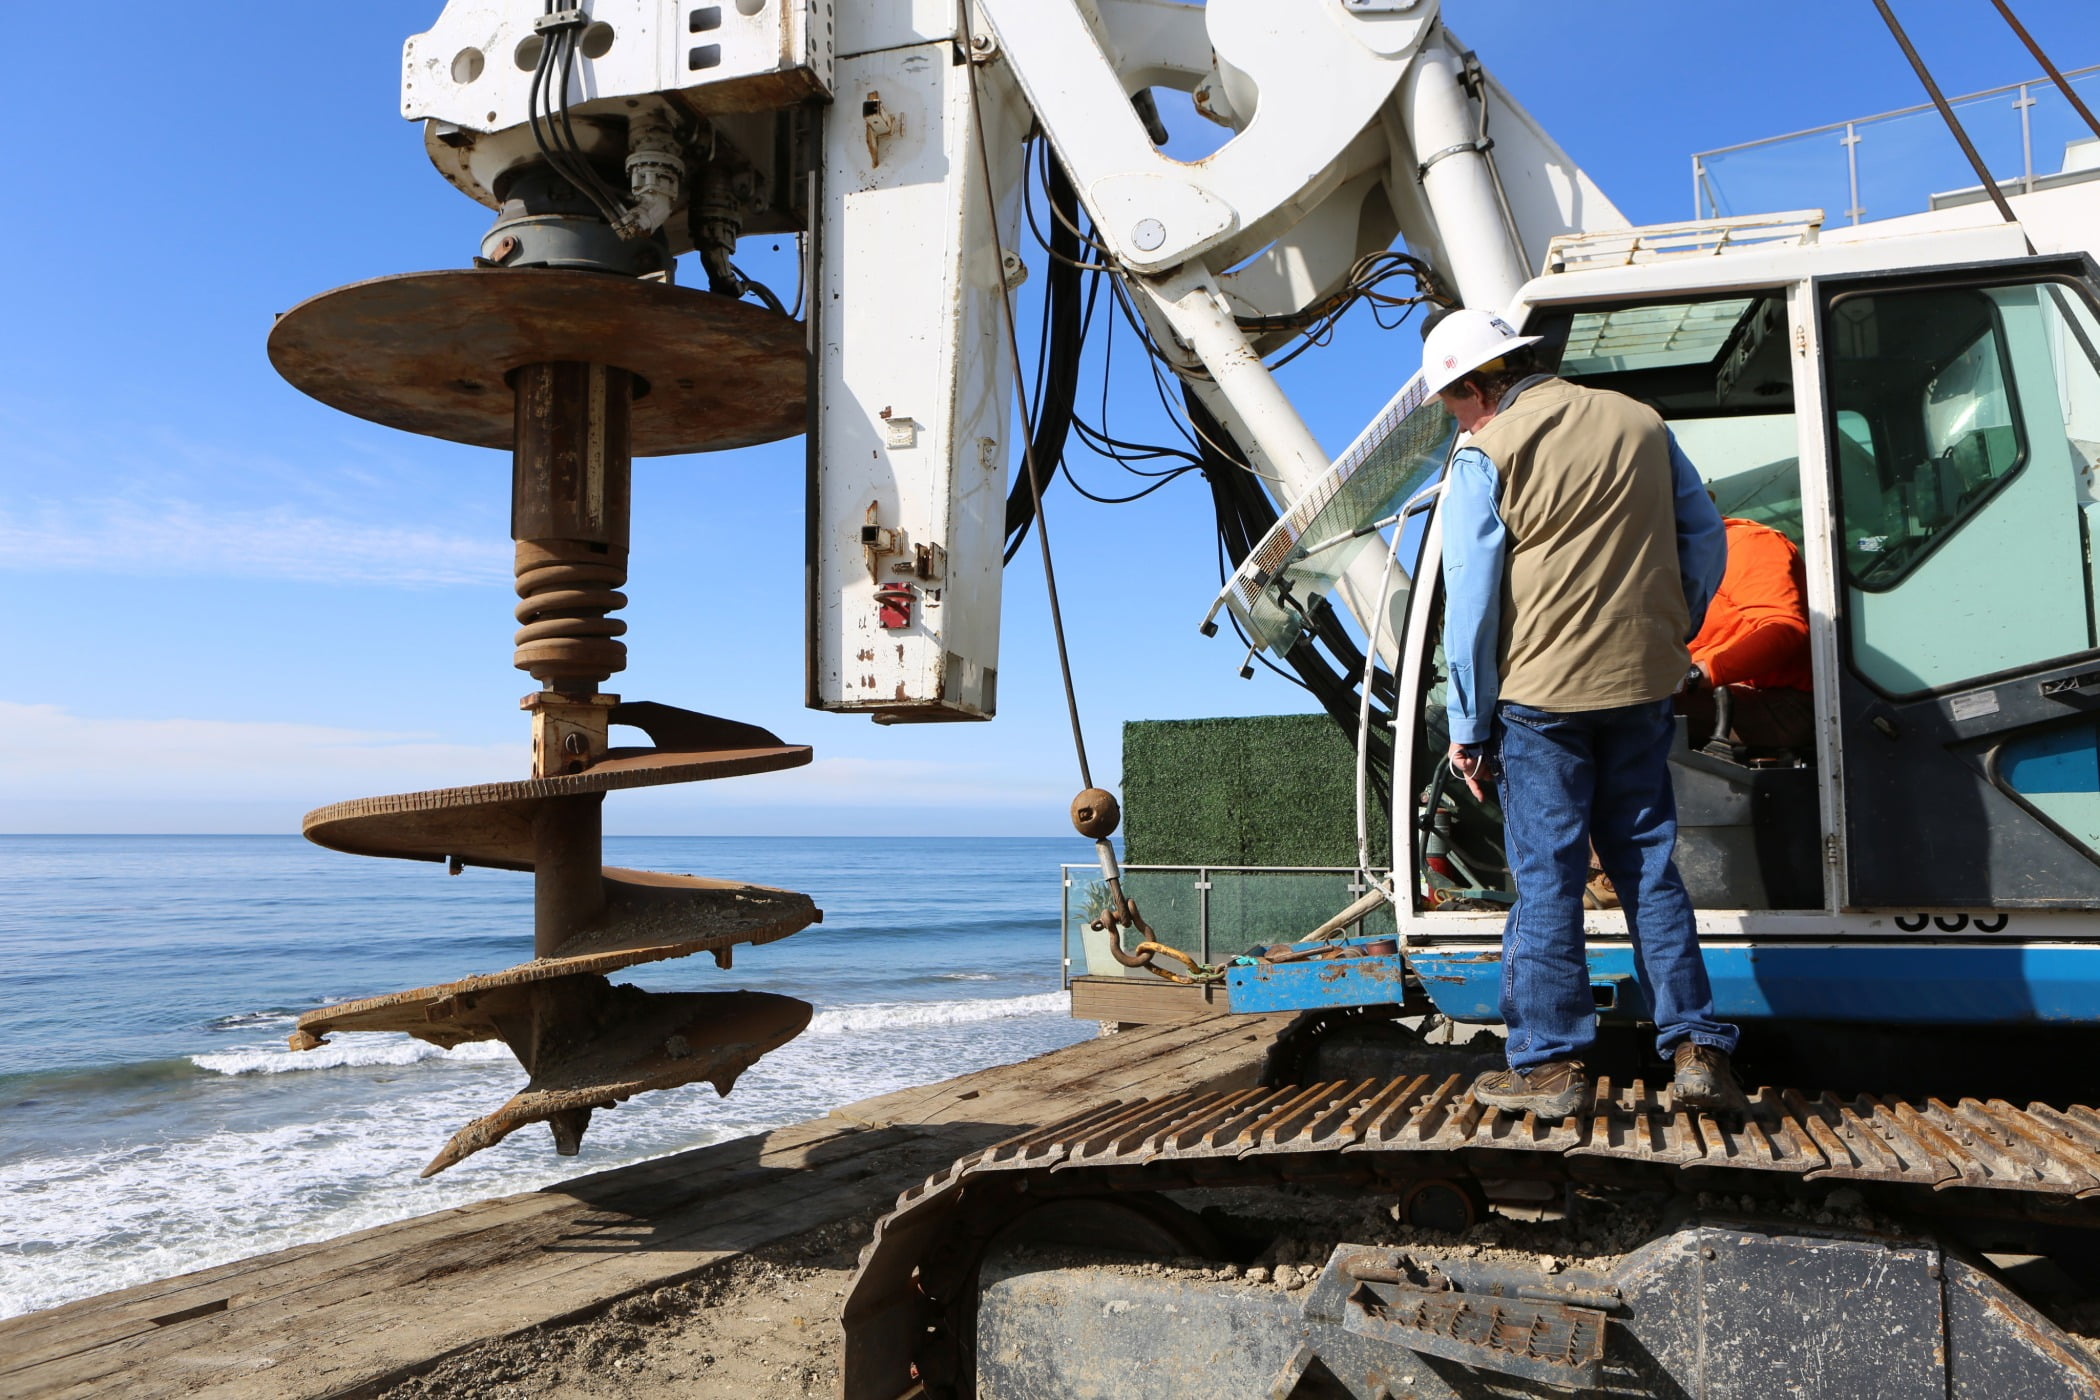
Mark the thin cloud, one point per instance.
(183, 538)
(62, 759)
(60, 756)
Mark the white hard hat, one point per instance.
(1464, 341)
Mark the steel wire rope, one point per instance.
(1013, 345)
(1939, 102)
(1235, 518)
(1121, 910)
(1098, 440)
(2056, 76)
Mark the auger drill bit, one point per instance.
(430, 352)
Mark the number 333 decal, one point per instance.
(1951, 923)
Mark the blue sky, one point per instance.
(227, 604)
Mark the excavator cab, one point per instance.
(1929, 440)
(1717, 370)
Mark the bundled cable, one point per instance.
(1326, 660)
(1065, 340)
(560, 31)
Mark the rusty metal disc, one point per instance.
(491, 824)
(428, 352)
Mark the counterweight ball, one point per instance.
(1095, 813)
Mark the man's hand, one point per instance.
(1695, 680)
(1470, 762)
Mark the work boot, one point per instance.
(1702, 1079)
(1551, 1090)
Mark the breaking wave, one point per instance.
(884, 1015)
(346, 1053)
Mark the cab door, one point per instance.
(1962, 422)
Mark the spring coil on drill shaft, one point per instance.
(567, 589)
(569, 517)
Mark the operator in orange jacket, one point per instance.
(1754, 644)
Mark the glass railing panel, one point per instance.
(2059, 138)
(1906, 162)
(1168, 899)
(1250, 907)
(1800, 172)
(1211, 913)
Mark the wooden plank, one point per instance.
(1141, 1000)
(346, 1316)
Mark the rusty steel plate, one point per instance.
(648, 917)
(491, 824)
(428, 351)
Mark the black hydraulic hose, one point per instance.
(1244, 515)
(1062, 301)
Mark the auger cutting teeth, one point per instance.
(591, 1043)
(648, 917)
(587, 1043)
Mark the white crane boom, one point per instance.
(894, 134)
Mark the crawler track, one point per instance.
(1971, 1159)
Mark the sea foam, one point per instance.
(346, 1053)
(885, 1015)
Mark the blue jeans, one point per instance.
(1568, 780)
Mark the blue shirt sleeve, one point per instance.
(1702, 540)
(1475, 550)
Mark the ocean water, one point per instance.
(152, 1120)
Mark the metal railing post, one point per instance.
(2025, 104)
(1850, 142)
(1064, 921)
(1203, 914)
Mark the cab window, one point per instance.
(1718, 371)
(1963, 450)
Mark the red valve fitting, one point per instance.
(893, 603)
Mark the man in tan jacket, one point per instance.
(1580, 551)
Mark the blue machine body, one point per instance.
(1884, 983)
